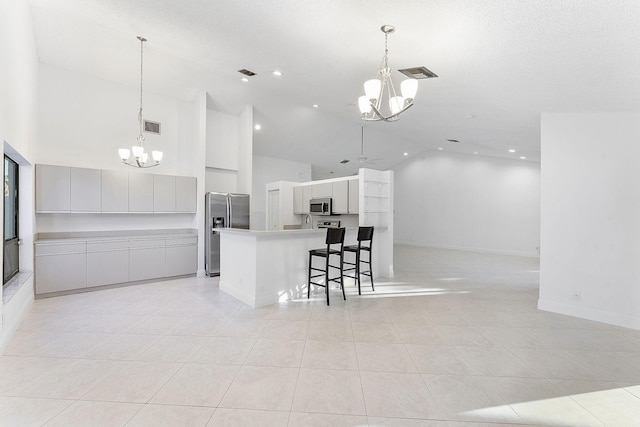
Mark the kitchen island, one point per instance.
(264, 267)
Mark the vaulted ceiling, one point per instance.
(500, 64)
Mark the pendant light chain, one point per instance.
(142, 40)
(140, 158)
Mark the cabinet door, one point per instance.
(341, 197)
(107, 262)
(297, 200)
(306, 198)
(182, 260)
(60, 272)
(146, 263)
(107, 267)
(164, 193)
(186, 198)
(354, 196)
(115, 191)
(322, 190)
(140, 192)
(86, 190)
(53, 188)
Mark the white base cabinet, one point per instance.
(84, 263)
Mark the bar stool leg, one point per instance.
(344, 297)
(326, 278)
(309, 277)
(371, 273)
(358, 270)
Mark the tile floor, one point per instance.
(455, 340)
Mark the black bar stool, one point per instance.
(335, 236)
(365, 242)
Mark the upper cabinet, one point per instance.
(53, 185)
(86, 190)
(321, 190)
(67, 189)
(164, 193)
(115, 191)
(186, 189)
(341, 197)
(354, 196)
(140, 192)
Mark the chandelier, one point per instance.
(380, 100)
(140, 158)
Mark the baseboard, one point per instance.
(469, 249)
(589, 314)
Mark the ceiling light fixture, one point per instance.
(371, 103)
(257, 127)
(512, 151)
(140, 157)
(277, 73)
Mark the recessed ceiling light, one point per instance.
(406, 154)
(512, 151)
(440, 148)
(469, 116)
(244, 79)
(277, 73)
(257, 127)
(315, 105)
(523, 157)
(475, 152)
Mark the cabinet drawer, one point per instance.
(61, 248)
(107, 245)
(147, 243)
(182, 241)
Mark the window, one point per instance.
(11, 251)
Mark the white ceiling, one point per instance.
(502, 62)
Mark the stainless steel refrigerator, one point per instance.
(222, 210)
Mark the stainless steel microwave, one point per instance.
(320, 206)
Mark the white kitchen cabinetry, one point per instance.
(181, 255)
(85, 190)
(61, 267)
(115, 191)
(322, 190)
(377, 198)
(140, 192)
(95, 261)
(147, 259)
(297, 200)
(53, 188)
(107, 262)
(186, 194)
(340, 191)
(354, 196)
(306, 198)
(164, 193)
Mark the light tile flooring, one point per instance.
(454, 340)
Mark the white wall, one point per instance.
(267, 170)
(468, 202)
(590, 214)
(222, 140)
(18, 129)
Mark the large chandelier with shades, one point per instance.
(380, 100)
(137, 156)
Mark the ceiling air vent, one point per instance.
(247, 72)
(453, 140)
(345, 161)
(418, 73)
(152, 127)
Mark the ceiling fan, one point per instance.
(362, 158)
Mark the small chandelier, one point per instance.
(371, 104)
(140, 158)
